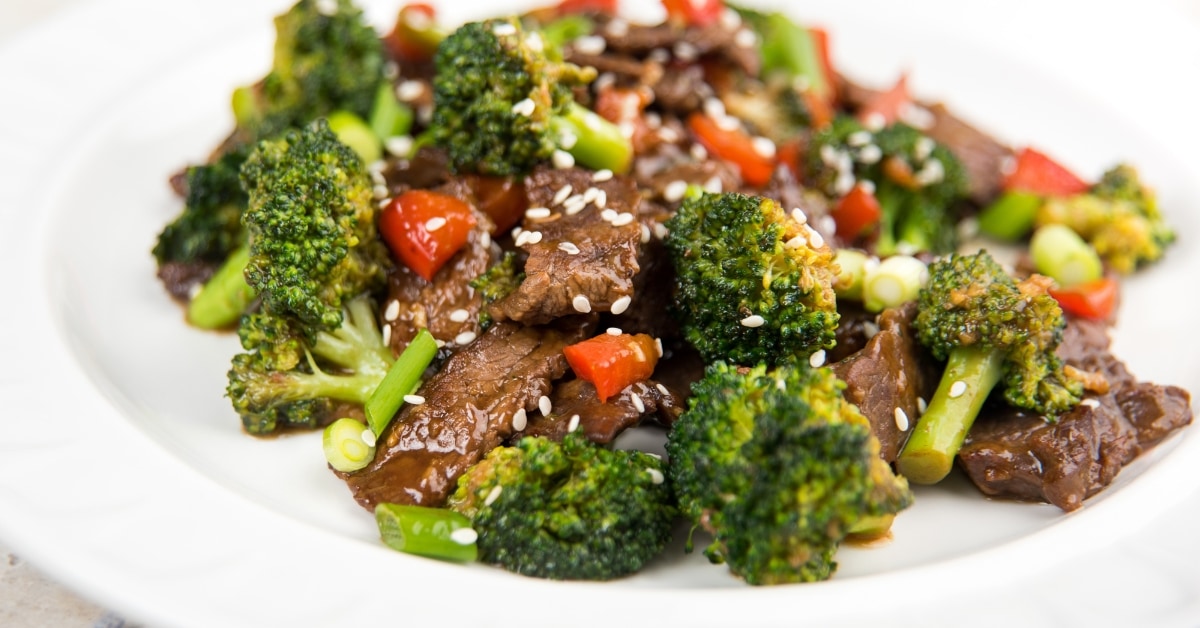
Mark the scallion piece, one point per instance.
(389, 117)
(403, 375)
(345, 448)
(1060, 254)
(352, 131)
(222, 299)
(431, 532)
(1011, 216)
(894, 281)
(852, 265)
(597, 143)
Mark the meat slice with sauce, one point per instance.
(574, 405)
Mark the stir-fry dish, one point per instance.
(475, 256)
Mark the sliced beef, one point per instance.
(182, 279)
(584, 257)
(888, 375)
(428, 168)
(602, 422)
(717, 41)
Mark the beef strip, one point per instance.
(602, 422)
(1019, 455)
(468, 410)
(589, 255)
(890, 372)
(182, 279)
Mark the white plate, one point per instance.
(124, 473)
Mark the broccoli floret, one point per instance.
(291, 378)
(1119, 217)
(990, 329)
(210, 226)
(503, 104)
(311, 224)
(753, 284)
(324, 61)
(496, 283)
(779, 468)
(917, 181)
(567, 511)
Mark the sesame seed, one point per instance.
(415, 400)
(464, 536)
(645, 233)
(661, 231)
(460, 315)
(875, 121)
(799, 216)
(764, 146)
(392, 311)
(327, 7)
(859, 138)
(698, 152)
(441, 344)
(590, 45)
(932, 172)
(380, 192)
(465, 338)
(622, 219)
(574, 204)
(754, 320)
(492, 495)
(562, 194)
(617, 28)
(608, 215)
(714, 185)
(901, 419)
(537, 213)
(589, 194)
(922, 405)
(534, 236)
(667, 134)
(485, 239)
(796, 242)
(573, 424)
(867, 186)
(957, 389)
(674, 190)
(745, 38)
(801, 83)
(387, 335)
(923, 148)
(815, 238)
(562, 159)
(368, 437)
(730, 19)
(620, 305)
(844, 183)
(656, 476)
(686, 51)
(534, 42)
(662, 389)
(544, 405)
(613, 331)
(1090, 402)
(714, 108)
(504, 29)
(638, 404)
(409, 91)
(728, 123)
(658, 55)
(917, 116)
(581, 304)
(567, 140)
(520, 420)
(817, 359)
(522, 239)
(569, 248)
(399, 146)
(658, 347)
(524, 107)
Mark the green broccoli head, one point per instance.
(754, 285)
(291, 378)
(567, 511)
(496, 92)
(210, 226)
(324, 61)
(780, 469)
(311, 223)
(1119, 217)
(496, 283)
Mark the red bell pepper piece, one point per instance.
(503, 199)
(694, 12)
(1093, 299)
(820, 38)
(425, 229)
(414, 37)
(887, 104)
(611, 363)
(605, 7)
(856, 212)
(1037, 173)
(735, 146)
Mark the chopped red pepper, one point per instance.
(611, 363)
(888, 104)
(627, 106)
(735, 146)
(821, 38)
(1037, 173)
(605, 7)
(856, 212)
(1093, 299)
(425, 229)
(503, 199)
(414, 37)
(694, 12)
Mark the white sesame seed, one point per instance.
(859, 138)
(613, 331)
(465, 338)
(590, 45)
(581, 304)
(923, 148)
(485, 239)
(957, 389)
(569, 248)
(754, 320)
(875, 121)
(645, 233)
(537, 213)
(1090, 402)
(399, 146)
(867, 186)
(827, 224)
(656, 476)
(562, 159)
(387, 335)
(917, 116)
(638, 404)
(796, 242)
(573, 424)
(464, 536)
(617, 27)
(327, 7)
(380, 192)
(661, 231)
(698, 152)
(817, 359)
(730, 19)
(441, 344)
(524, 107)
(686, 51)
(504, 29)
(728, 123)
(392, 311)
(668, 135)
(492, 495)
(589, 194)
(745, 38)
(799, 216)
(534, 42)
(544, 405)
(460, 315)
(534, 236)
(626, 128)
(522, 239)
(658, 347)
(520, 420)
(932, 172)
(435, 223)
(674, 190)
(561, 195)
(622, 219)
(764, 146)
(714, 185)
(922, 405)
(815, 238)
(567, 140)
(714, 108)
(415, 400)
(662, 389)
(620, 305)
(602, 175)
(608, 215)
(368, 437)
(658, 55)
(409, 91)
(801, 83)
(901, 419)
(844, 183)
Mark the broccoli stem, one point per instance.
(345, 448)
(222, 299)
(431, 532)
(1011, 216)
(971, 373)
(595, 142)
(357, 344)
(401, 379)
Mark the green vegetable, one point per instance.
(1059, 253)
(1011, 216)
(779, 468)
(567, 511)
(991, 330)
(209, 228)
(431, 532)
(753, 285)
(852, 269)
(222, 299)
(892, 282)
(354, 132)
(345, 447)
(401, 379)
(389, 117)
(496, 283)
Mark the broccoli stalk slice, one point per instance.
(222, 299)
(971, 374)
(594, 141)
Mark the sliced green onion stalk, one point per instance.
(389, 117)
(852, 265)
(346, 448)
(1060, 254)
(1011, 216)
(222, 299)
(894, 281)
(790, 48)
(352, 131)
(400, 380)
(593, 141)
(424, 531)
(565, 29)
